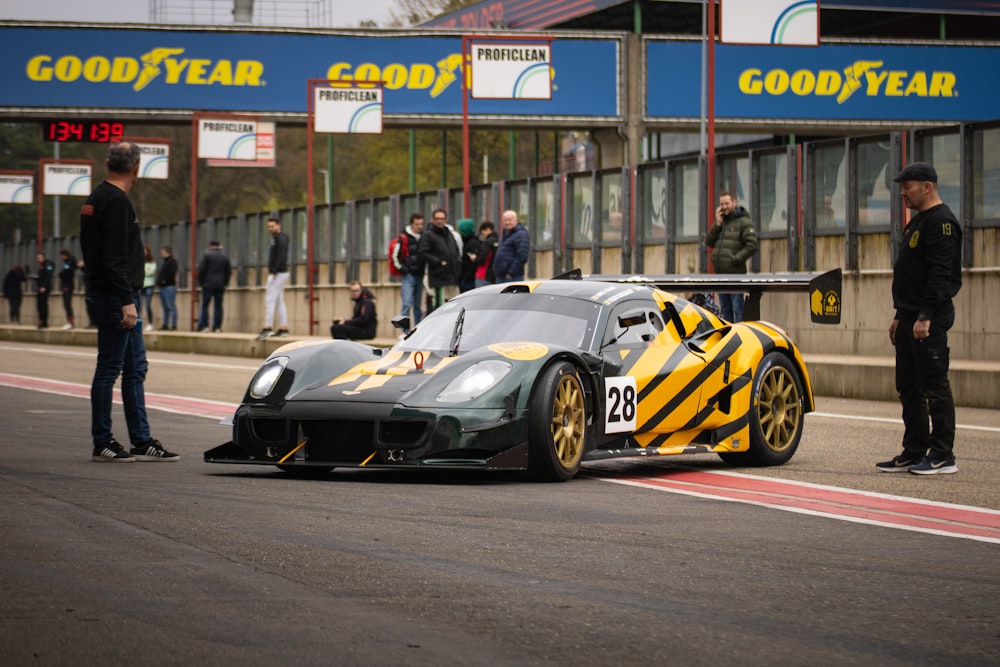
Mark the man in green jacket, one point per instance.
(735, 241)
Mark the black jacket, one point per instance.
(214, 269)
(277, 256)
(484, 250)
(437, 244)
(364, 314)
(13, 284)
(112, 243)
(67, 274)
(168, 272)
(44, 277)
(928, 270)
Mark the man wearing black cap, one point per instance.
(925, 277)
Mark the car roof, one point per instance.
(585, 290)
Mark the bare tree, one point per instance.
(408, 13)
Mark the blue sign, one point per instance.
(831, 82)
(146, 69)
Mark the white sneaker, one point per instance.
(66, 327)
(149, 327)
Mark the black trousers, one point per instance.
(351, 332)
(924, 390)
(67, 297)
(43, 309)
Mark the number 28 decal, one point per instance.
(619, 404)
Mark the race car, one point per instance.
(540, 376)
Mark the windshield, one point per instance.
(499, 318)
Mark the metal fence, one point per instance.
(817, 205)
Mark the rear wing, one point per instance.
(824, 289)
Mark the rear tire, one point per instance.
(557, 424)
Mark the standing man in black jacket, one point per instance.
(166, 280)
(43, 287)
(214, 271)
(277, 278)
(441, 255)
(67, 282)
(115, 258)
(926, 276)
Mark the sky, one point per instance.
(346, 14)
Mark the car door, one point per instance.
(652, 386)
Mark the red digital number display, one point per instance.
(90, 131)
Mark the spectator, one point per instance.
(512, 253)
(440, 253)
(13, 291)
(166, 280)
(467, 272)
(482, 253)
(363, 323)
(112, 249)
(67, 281)
(277, 278)
(735, 241)
(148, 283)
(85, 277)
(408, 263)
(43, 287)
(214, 271)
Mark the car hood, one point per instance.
(415, 377)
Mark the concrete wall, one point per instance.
(863, 331)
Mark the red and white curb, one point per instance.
(973, 523)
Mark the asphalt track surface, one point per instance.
(652, 561)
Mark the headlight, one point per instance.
(474, 381)
(267, 376)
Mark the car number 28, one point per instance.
(620, 402)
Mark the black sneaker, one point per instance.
(152, 450)
(282, 333)
(901, 463)
(111, 452)
(264, 333)
(931, 466)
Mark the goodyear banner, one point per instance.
(832, 82)
(239, 71)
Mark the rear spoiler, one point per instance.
(824, 289)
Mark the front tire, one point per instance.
(777, 414)
(557, 424)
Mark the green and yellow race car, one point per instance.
(541, 376)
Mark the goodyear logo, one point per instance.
(434, 78)
(867, 76)
(166, 62)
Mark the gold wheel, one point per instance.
(779, 409)
(557, 424)
(568, 421)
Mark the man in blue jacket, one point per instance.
(512, 253)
